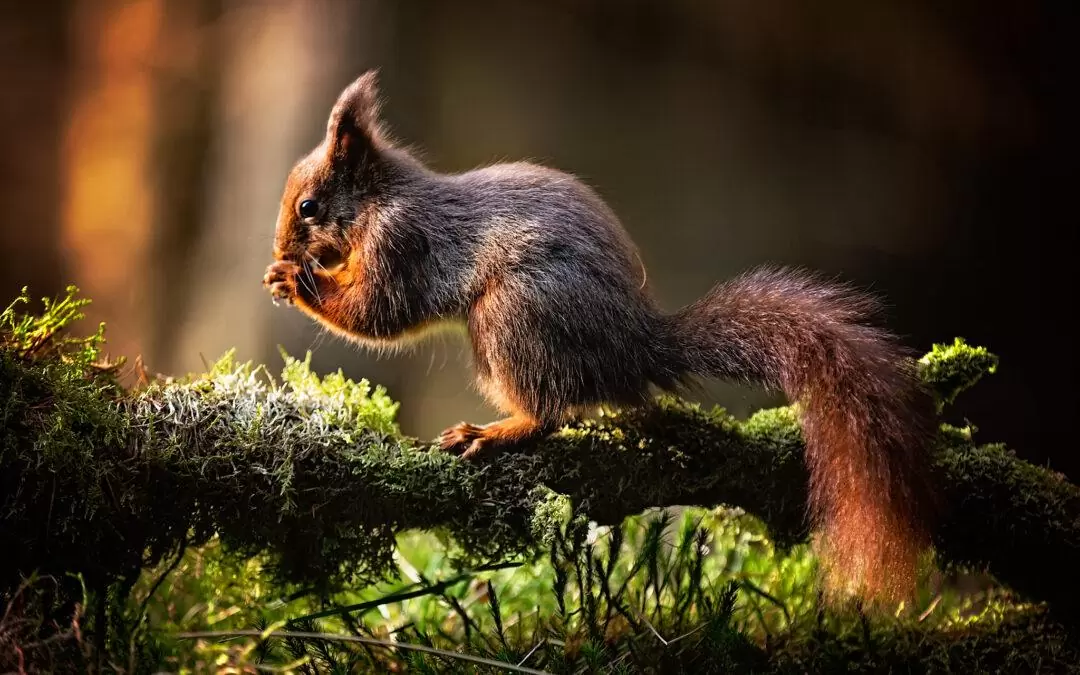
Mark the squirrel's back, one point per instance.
(532, 219)
(552, 262)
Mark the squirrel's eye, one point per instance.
(309, 208)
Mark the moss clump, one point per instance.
(313, 472)
(952, 369)
(62, 413)
(1018, 642)
(1019, 521)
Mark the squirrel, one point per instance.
(379, 249)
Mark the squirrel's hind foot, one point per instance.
(469, 441)
(462, 439)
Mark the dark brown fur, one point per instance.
(550, 287)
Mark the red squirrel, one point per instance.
(378, 248)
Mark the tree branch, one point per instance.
(314, 472)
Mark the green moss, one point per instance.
(551, 511)
(61, 413)
(1019, 521)
(952, 369)
(1024, 641)
(337, 402)
(313, 472)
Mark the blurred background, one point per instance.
(916, 148)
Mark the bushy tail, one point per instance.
(866, 421)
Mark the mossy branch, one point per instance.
(314, 472)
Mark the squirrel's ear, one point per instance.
(354, 125)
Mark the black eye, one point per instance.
(309, 208)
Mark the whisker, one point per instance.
(319, 263)
(311, 276)
(303, 277)
(318, 340)
(314, 260)
(314, 283)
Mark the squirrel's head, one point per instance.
(328, 190)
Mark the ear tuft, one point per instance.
(354, 120)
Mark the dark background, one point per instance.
(920, 149)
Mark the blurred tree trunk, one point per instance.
(108, 206)
(34, 59)
(188, 87)
(282, 62)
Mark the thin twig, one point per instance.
(933, 605)
(654, 631)
(433, 589)
(145, 604)
(773, 599)
(531, 652)
(668, 643)
(389, 644)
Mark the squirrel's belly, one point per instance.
(414, 334)
(398, 339)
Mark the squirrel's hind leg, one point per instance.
(469, 440)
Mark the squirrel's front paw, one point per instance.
(281, 278)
